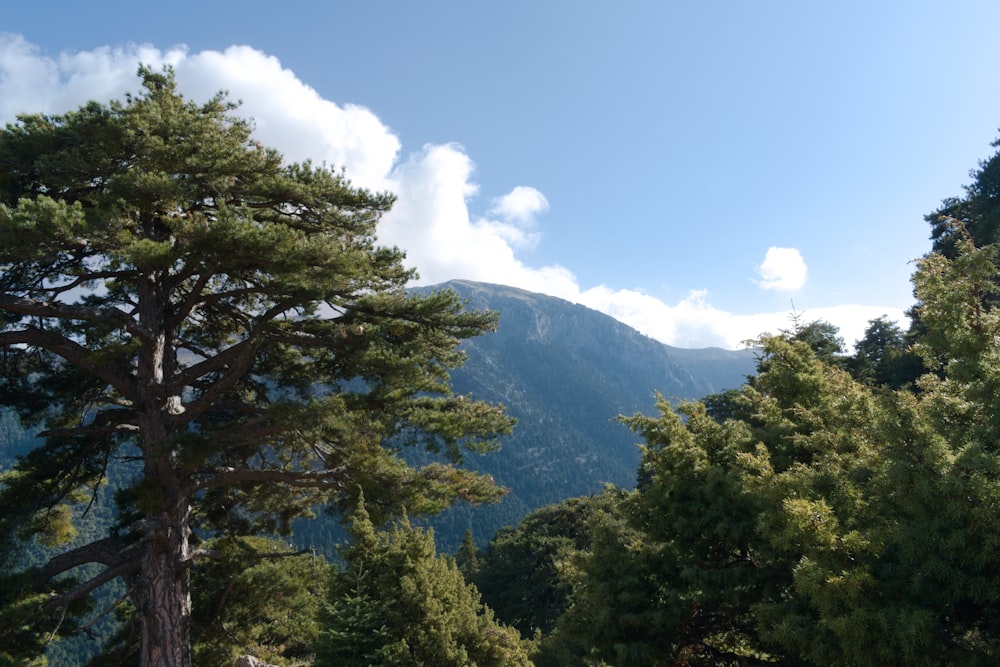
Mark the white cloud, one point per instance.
(517, 212)
(34, 83)
(292, 116)
(520, 205)
(287, 113)
(782, 269)
(431, 219)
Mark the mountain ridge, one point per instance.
(566, 371)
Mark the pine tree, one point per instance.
(400, 603)
(175, 294)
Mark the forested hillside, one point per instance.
(565, 372)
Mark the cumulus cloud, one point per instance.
(521, 205)
(286, 112)
(435, 185)
(513, 217)
(782, 269)
(432, 222)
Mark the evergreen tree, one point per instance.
(821, 520)
(399, 603)
(467, 558)
(823, 338)
(884, 358)
(521, 572)
(173, 293)
(975, 216)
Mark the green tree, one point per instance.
(822, 337)
(673, 578)
(173, 293)
(521, 574)
(399, 603)
(467, 558)
(821, 520)
(883, 356)
(975, 215)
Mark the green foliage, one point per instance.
(467, 558)
(256, 596)
(822, 338)
(399, 603)
(976, 216)
(883, 357)
(521, 572)
(173, 293)
(24, 625)
(810, 518)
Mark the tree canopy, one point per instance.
(817, 519)
(975, 216)
(174, 294)
(399, 603)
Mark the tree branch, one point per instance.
(84, 589)
(71, 351)
(65, 311)
(307, 480)
(192, 299)
(107, 551)
(242, 354)
(86, 278)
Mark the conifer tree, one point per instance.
(467, 558)
(174, 294)
(818, 520)
(400, 603)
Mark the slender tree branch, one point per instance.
(88, 277)
(192, 299)
(107, 610)
(242, 354)
(308, 480)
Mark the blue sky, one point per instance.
(695, 169)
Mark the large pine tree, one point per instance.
(175, 294)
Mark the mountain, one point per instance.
(565, 372)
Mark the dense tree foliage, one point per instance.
(819, 520)
(173, 293)
(884, 356)
(400, 603)
(520, 572)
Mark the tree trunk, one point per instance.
(163, 594)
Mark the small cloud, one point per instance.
(520, 205)
(782, 269)
(512, 217)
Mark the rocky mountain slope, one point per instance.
(565, 372)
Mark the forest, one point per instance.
(201, 345)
